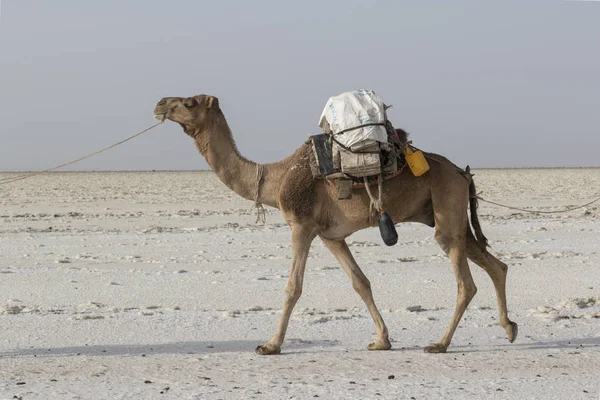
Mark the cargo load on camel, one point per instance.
(358, 141)
(360, 147)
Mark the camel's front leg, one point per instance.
(301, 241)
(361, 284)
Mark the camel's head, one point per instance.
(194, 114)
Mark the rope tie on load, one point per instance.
(261, 214)
(376, 203)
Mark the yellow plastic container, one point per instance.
(416, 161)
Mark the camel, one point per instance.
(440, 198)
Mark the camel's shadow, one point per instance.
(575, 343)
(175, 348)
(294, 348)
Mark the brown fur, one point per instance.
(440, 197)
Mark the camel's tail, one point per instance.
(473, 204)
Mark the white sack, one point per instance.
(352, 109)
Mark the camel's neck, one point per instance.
(235, 171)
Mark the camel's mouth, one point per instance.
(160, 117)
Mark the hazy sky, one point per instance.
(490, 84)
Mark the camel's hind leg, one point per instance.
(361, 284)
(496, 269)
(455, 246)
(450, 204)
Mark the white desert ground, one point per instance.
(159, 285)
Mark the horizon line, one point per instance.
(209, 170)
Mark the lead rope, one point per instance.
(25, 176)
(567, 209)
(261, 214)
(478, 197)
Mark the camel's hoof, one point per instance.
(512, 332)
(268, 349)
(380, 345)
(436, 348)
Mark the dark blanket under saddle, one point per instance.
(322, 164)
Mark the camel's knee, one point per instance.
(362, 287)
(466, 291)
(503, 267)
(361, 284)
(475, 253)
(443, 241)
(293, 292)
(492, 264)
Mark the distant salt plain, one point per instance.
(144, 285)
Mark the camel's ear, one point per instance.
(212, 101)
(190, 102)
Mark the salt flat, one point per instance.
(149, 285)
